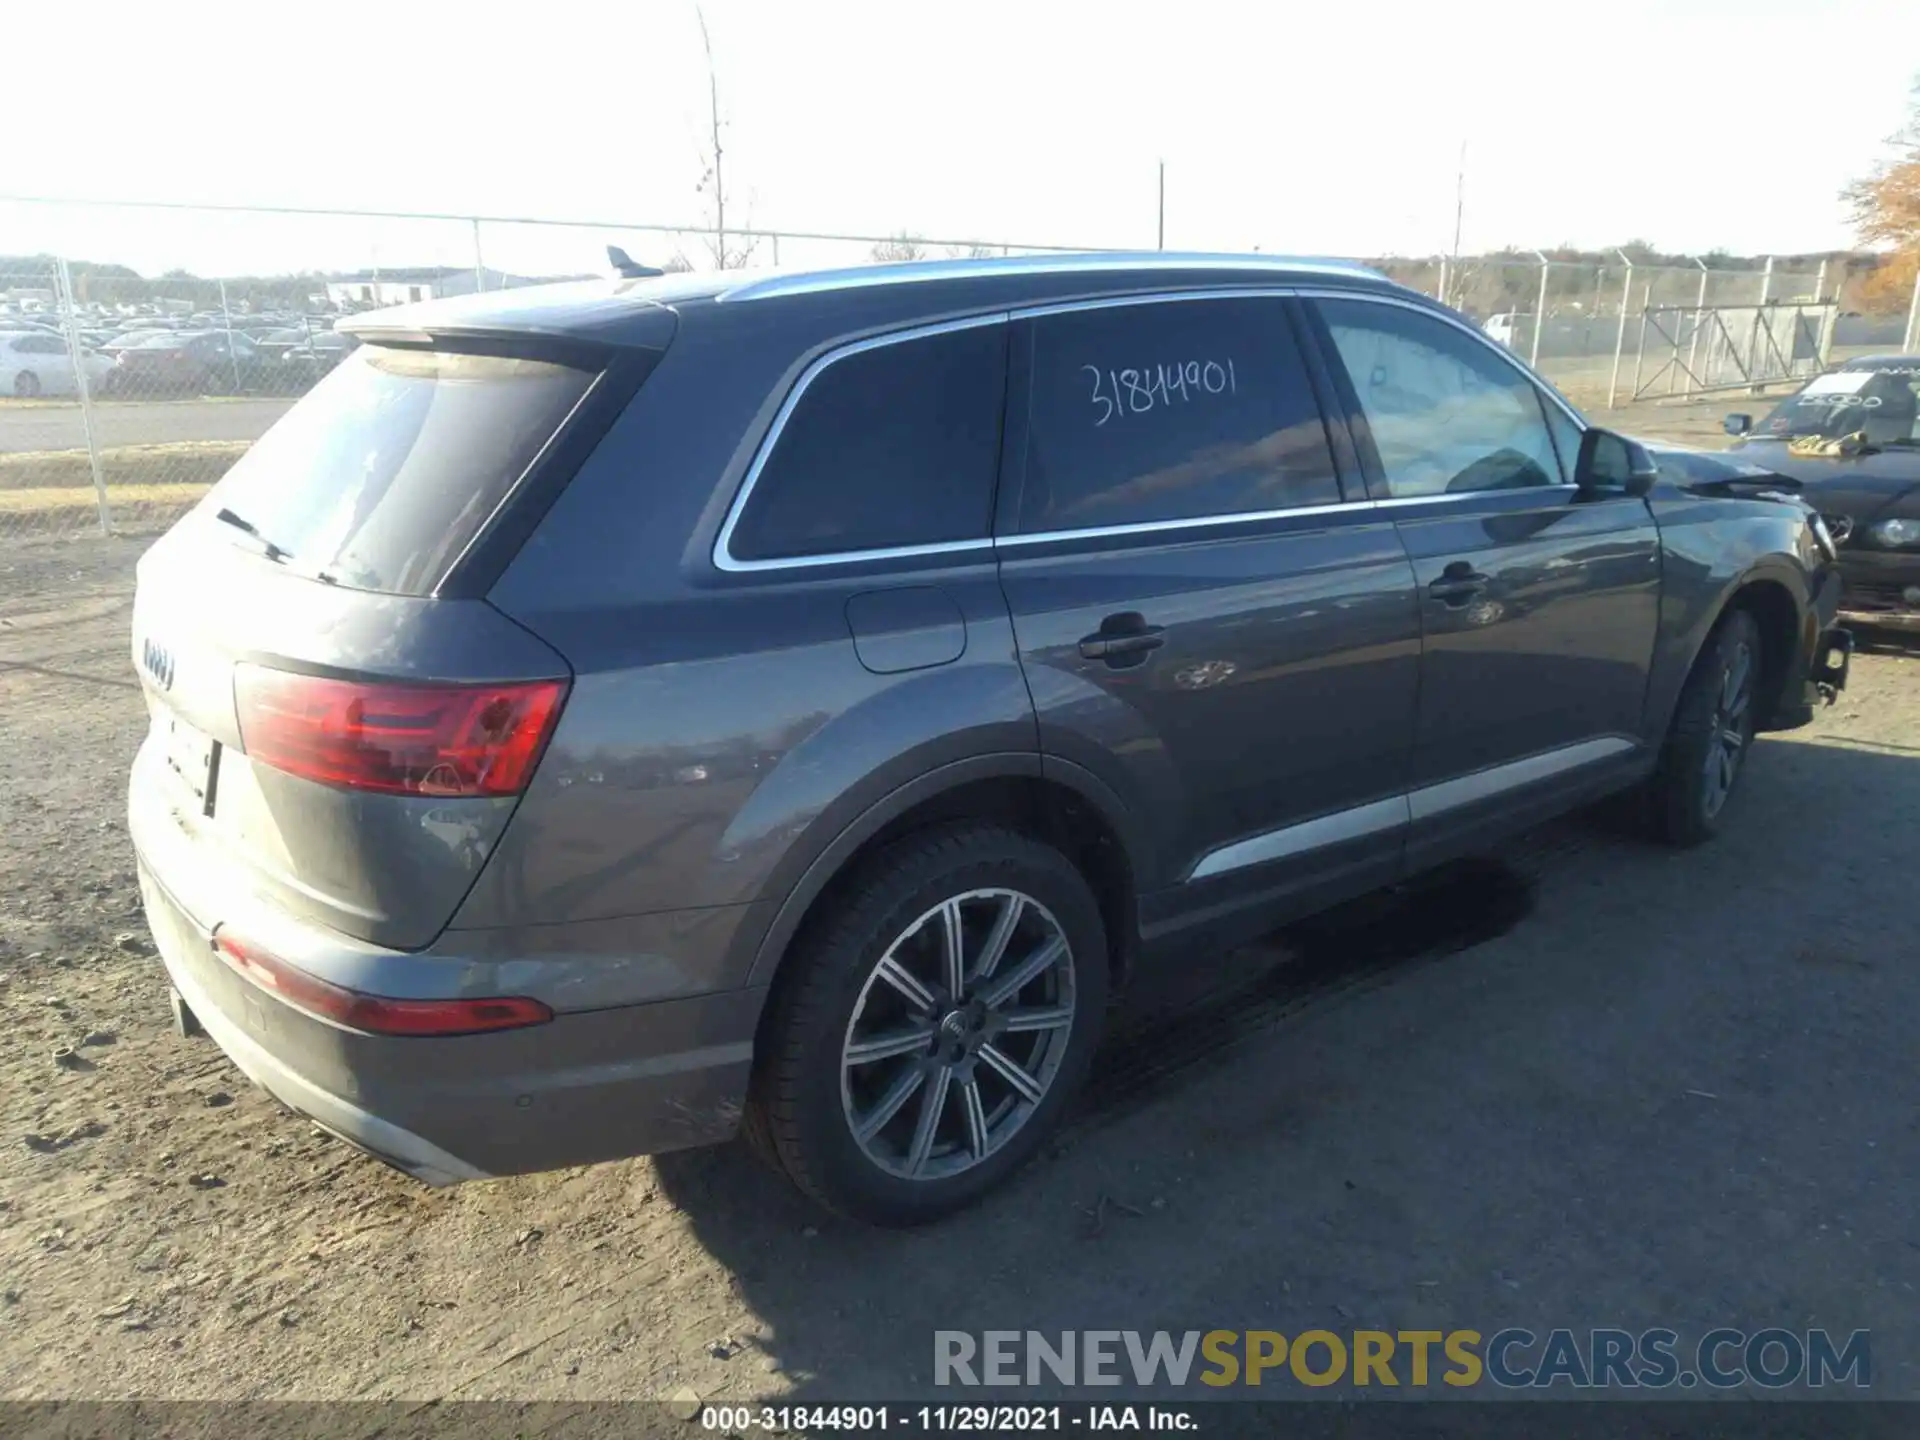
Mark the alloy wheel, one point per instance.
(958, 1034)
(1729, 728)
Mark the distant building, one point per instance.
(372, 289)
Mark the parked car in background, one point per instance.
(188, 363)
(313, 356)
(33, 363)
(598, 717)
(1851, 439)
(274, 343)
(113, 345)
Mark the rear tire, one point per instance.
(26, 385)
(1712, 731)
(970, 1079)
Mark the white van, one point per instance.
(1507, 327)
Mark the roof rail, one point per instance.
(1091, 263)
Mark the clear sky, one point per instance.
(1328, 128)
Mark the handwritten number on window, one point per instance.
(1106, 405)
(1132, 391)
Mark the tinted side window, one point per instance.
(1446, 413)
(896, 445)
(1170, 411)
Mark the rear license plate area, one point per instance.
(194, 759)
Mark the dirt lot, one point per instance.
(1584, 1083)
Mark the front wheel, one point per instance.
(26, 385)
(1713, 729)
(935, 1026)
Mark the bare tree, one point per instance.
(713, 179)
(975, 251)
(901, 247)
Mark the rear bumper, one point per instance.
(585, 1087)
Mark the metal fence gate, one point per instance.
(1702, 350)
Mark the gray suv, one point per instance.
(604, 717)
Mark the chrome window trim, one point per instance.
(724, 559)
(1092, 263)
(1401, 502)
(1196, 522)
(1379, 816)
(723, 556)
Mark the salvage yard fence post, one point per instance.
(1910, 341)
(1539, 312)
(1620, 335)
(83, 387)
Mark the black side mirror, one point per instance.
(1612, 464)
(1737, 424)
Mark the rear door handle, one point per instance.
(1456, 586)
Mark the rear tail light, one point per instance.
(451, 740)
(376, 1014)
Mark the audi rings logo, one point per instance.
(157, 661)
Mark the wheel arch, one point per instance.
(1056, 802)
(1773, 591)
(1786, 633)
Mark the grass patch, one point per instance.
(180, 462)
(44, 499)
(148, 486)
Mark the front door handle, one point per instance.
(1458, 584)
(1123, 639)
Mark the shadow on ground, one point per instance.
(1587, 1081)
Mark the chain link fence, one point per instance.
(124, 395)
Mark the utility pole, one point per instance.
(719, 180)
(1459, 214)
(1160, 242)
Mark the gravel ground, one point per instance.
(1586, 1082)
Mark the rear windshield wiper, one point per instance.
(246, 527)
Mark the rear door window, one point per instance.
(390, 466)
(1167, 411)
(890, 446)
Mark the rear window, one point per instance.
(380, 477)
(892, 446)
